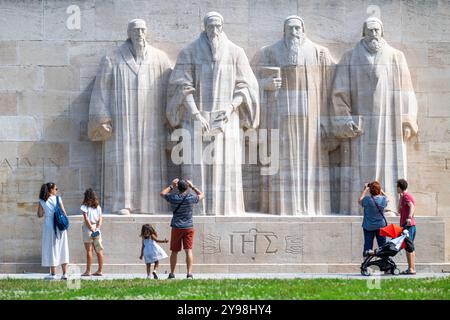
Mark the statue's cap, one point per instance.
(370, 22)
(136, 23)
(212, 14)
(293, 17)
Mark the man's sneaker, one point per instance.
(189, 276)
(50, 277)
(155, 276)
(171, 276)
(149, 276)
(64, 277)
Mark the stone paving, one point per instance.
(163, 276)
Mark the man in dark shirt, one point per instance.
(182, 225)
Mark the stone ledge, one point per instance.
(302, 268)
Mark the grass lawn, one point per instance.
(253, 289)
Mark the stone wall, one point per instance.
(254, 244)
(47, 72)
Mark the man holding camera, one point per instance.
(182, 224)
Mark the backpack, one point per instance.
(60, 220)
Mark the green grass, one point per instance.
(253, 289)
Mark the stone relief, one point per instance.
(293, 86)
(295, 75)
(254, 242)
(374, 111)
(212, 79)
(211, 244)
(126, 112)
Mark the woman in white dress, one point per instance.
(150, 250)
(55, 246)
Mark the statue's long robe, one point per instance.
(213, 85)
(132, 98)
(375, 90)
(300, 112)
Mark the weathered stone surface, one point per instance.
(19, 128)
(21, 78)
(21, 20)
(60, 25)
(61, 78)
(44, 104)
(433, 79)
(8, 103)
(61, 129)
(50, 154)
(83, 154)
(44, 53)
(212, 252)
(447, 240)
(439, 54)
(89, 53)
(439, 106)
(443, 204)
(8, 52)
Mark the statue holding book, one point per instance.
(213, 93)
(294, 76)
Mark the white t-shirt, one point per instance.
(93, 214)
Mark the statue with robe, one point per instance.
(127, 113)
(213, 94)
(295, 75)
(374, 114)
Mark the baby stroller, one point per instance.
(381, 257)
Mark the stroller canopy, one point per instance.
(392, 231)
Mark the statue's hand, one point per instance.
(225, 115)
(323, 132)
(271, 84)
(356, 129)
(107, 127)
(407, 132)
(203, 121)
(351, 130)
(102, 132)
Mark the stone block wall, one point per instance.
(254, 244)
(47, 72)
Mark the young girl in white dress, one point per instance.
(150, 249)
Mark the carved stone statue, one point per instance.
(127, 113)
(213, 88)
(295, 75)
(374, 105)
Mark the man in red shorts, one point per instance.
(182, 225)
(406, 208)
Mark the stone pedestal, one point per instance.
(256, 243)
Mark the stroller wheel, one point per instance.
(365, 272)
(395, 271)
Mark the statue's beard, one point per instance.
(373, 44)
(139, 51)
(214, 42)
(292, 44)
